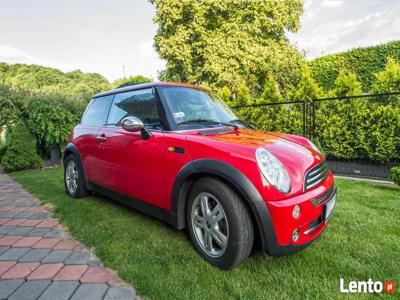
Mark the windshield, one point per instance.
(193, 108)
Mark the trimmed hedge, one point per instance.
(21, 150)
(364, 62)
(359, 130)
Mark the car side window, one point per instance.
(97, 111)
(140, 104)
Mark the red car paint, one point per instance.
(146, 169)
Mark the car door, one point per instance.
(93, 119)
(134, 166)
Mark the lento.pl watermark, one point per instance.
(370, 286)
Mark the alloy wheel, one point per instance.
(210, 224)
(72, 177)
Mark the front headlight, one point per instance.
(312, 145)
(273, 170)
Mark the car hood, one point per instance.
(290, 150)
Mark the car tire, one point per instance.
(223, 235)
(74, 182)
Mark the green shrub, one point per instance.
(395, 175)
(21, 150)
(3, 148)
(51, 118)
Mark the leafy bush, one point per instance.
(51, 118)
(21, 150)
(3, 148)
(395, 175)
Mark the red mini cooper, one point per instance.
(177, 153)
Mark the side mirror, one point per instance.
(132, 124)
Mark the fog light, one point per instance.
(296, 211)
(295, 235)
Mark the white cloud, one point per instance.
(12, 55)
(331, 3)
(145, 62)
(354, 24)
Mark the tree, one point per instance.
(133, 80)
(346, 84)
(12, 106)
(271, 92)
(307, 88)
(388, 80)
(41, 79)
(270, 117)
(228, 43)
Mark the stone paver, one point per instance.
(78, 258)
(71, 272)
(7, 287)
(6, 265)
(57, 256)
(96, 275)
(9, 240)
(92, 291)
(35, 255)
(30, 290)
(20, 231)
(27, 241)
(60, 290)
(20, 270)
(120, 293)
(39, 260)
(46, 243)
(3, 249)
(14, 254)
(45, 271)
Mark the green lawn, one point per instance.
(361, 242)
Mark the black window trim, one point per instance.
(90, 104)
(159, 105)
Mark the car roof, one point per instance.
(147, 85)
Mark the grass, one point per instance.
(361, 242)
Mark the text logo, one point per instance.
(389, 286)
(370, 286)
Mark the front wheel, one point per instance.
(220, 226)
(73, 178)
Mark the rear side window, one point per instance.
(97, 111)
(140, 104)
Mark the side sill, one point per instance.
(144, 207)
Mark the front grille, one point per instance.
(315, 176)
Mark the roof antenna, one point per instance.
(123, 70)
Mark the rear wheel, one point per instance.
(73, 178)
(219, 224)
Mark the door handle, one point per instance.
(101, 137)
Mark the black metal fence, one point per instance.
(360, 135)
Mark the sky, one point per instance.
(109, 36)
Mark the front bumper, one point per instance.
(310, 224)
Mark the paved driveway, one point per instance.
(40, 260)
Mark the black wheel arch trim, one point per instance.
(241, 183)
(72, 149)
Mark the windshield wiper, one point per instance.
(241, 122)
(196, 121)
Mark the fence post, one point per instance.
(313, 118)
(304, 118)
